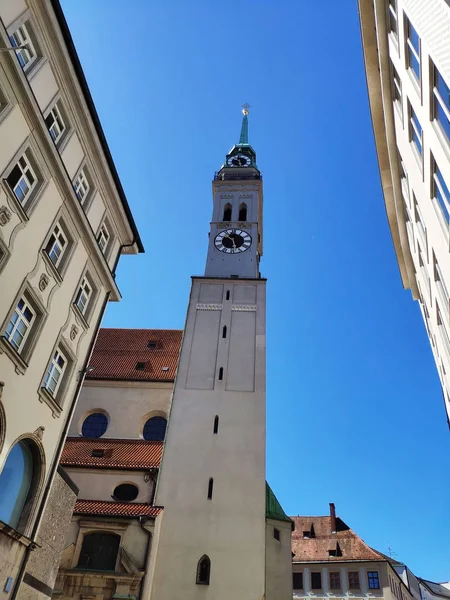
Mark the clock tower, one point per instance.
(210, 540)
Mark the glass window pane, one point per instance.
(414, 63)
(15, 482)
(414, 37)
(94, 425)
(442, 87)
(442, 117)
(155, 429)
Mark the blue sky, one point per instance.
(354, 406)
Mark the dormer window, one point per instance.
(309, 534)
(335, 551)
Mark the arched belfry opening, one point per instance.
(203, 570)
(227, 212)
(243, 212)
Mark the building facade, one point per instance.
(406, 46)
(64, 222)
(332, 561)
(113, 454)
(212, 480)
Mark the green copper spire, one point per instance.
(244, 129)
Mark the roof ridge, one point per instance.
(119, 440)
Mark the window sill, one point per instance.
(418, 156)
(442, 136)
(56, 274)
(6, 111)
(20, 365)
(79, 314)
(6, 529)
(24, 212)
(61, 144)
(34, 68)
(416, 82)
(45, 396)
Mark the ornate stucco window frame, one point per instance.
(56, 403)
(21, 358)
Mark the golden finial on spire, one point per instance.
(245, 108)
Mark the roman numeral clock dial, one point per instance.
(232, 241)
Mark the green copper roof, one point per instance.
(274, 509)
(244, 129)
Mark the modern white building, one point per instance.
(64, 223)
(406, 46)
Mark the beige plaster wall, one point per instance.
(278, 561)
(128, 405)
(99, 484)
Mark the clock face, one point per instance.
(239, 160)
(232, 241)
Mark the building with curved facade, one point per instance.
(406, 46)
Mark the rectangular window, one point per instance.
(57, 245)
(81, 186)
(103, 237)
(412, 49)
(440, 284)
(393, 17)
(316, 580)
(26, 53)
(415, 130)
(276, 534)
(441, 192)
(396, 87)
(83, 296)
(443, 328)
(55, 372)
(335, 580)
(20, 324)
(22, 179)
(441, 102)
(372, 577)
(297, 581)
(55, 123)
(353, 580)
(3, 101)
(418, 217)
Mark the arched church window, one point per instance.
(155, 429)
(210, 488)
(203, 570)
(243, 212)
(224, 331)
(99, 551)
(228, 295)
(220, 373)
(227, 212)
(216, 424)
(16, 480)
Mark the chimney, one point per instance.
(333, 517)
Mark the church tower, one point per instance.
(210, 542)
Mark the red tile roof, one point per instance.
(351, 546)
(115, 509)
(117, 352)
(118, 454)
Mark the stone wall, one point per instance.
(42, 567)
